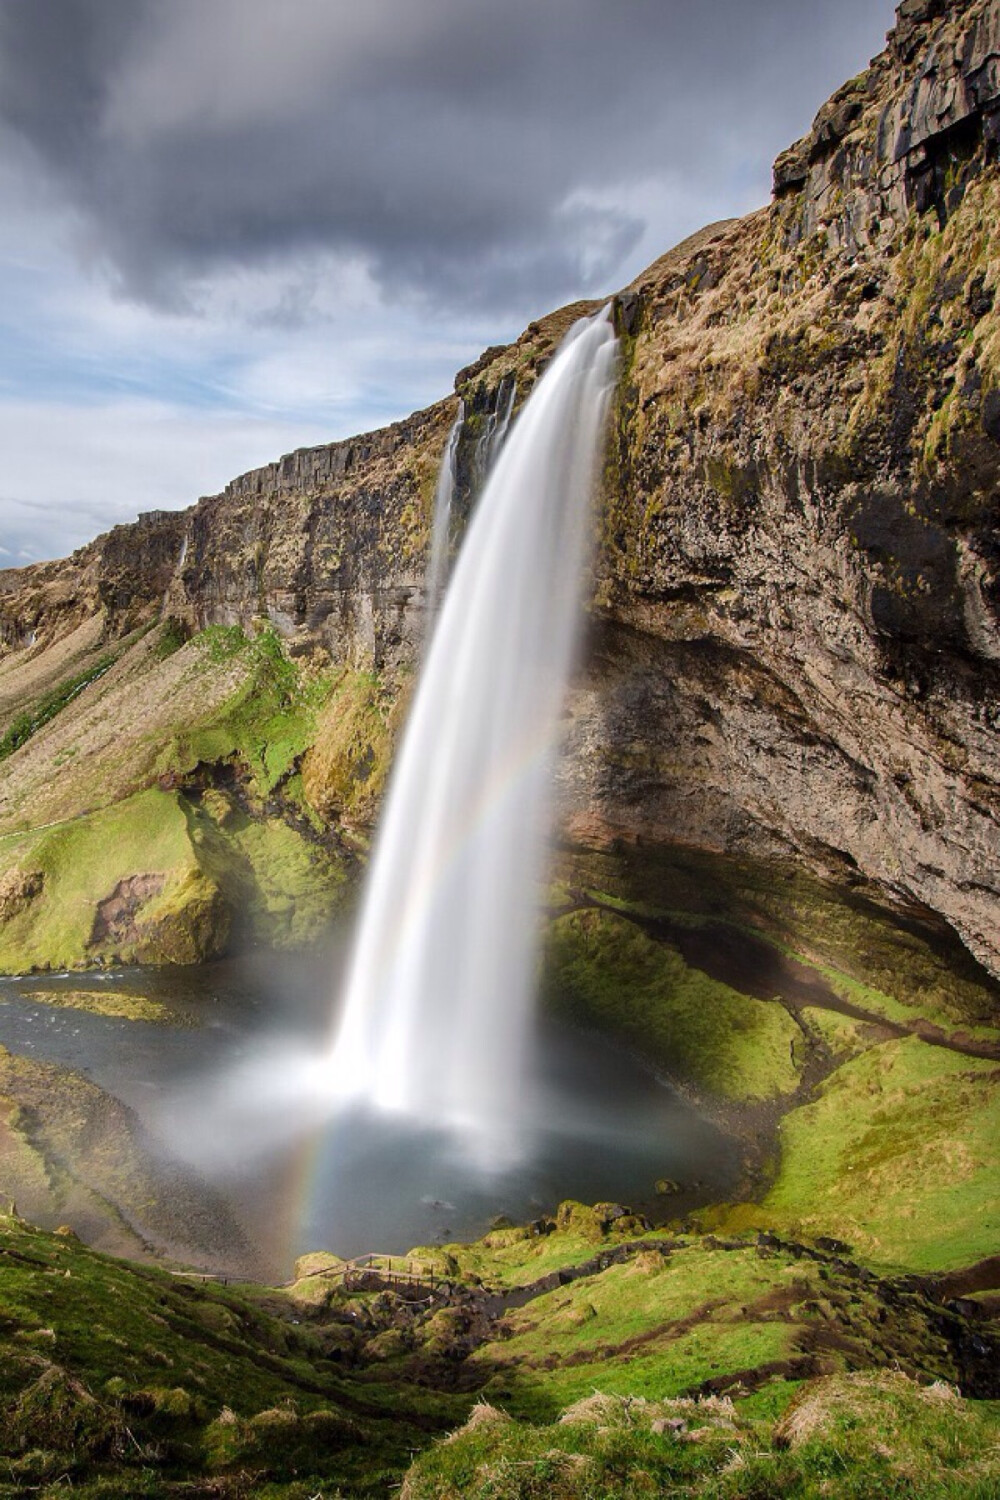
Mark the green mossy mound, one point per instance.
(208, 842)
(900, 1156)
(660, 1364)
(850, 1436)
(119, 1380)
(606, 973)
(874, 1038)
(156, 880)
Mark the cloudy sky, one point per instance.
(233, 227)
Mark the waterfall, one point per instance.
(441, 525)
(437, 1004)
(178, 565)
(494, 433)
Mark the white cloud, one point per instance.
(71, 473)
(228, 228)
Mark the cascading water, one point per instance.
(437, 568)
(437, 1005)
(494, 432)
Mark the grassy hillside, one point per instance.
(659, 1365)
(164, 800)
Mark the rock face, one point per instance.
(796, 644)
(799, 587)
(119, 577)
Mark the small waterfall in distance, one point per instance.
(494, 433)
(441, 524)
(437, 1005)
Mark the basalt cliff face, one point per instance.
(799, 586)
(795, 652)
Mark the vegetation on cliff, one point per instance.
(887, 1098)
(170, 806)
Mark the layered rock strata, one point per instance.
(796, 650)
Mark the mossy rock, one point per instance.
(58, 1412)
(316, 1263)
(388, 1345)
(189, 924)
(344, 773)
(579, 1219)
(604, 971)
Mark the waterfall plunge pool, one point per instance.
(219, 1098)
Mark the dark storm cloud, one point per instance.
(482, 151)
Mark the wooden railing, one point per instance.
(366, 1272)
(362, 1274)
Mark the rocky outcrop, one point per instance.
(121, 577)
(327, 544)
(800, 587)
(796, 645)
(908, 133)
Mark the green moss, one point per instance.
(173, 635)
(295, 887)
(31, 720)
(261, 880)
(899, 1156)
(708, 1351)
(850, 1436)
(268, 722)
(147, 1381)
(606, 973)
(109, 1002)
(896, 968)
(344, 775)
(935, 330)
(187, 923)
(650, 1326)
(81, 864)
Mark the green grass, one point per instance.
(895, 969)
(295, 888)
(31, 720)
(900, 1156)
(131, 1382)
(82, 862)
(516, 1256)
(897, 1153)
(344, 774)
(118, 1380)
(853, 1437)
(663, 1325)
(606, 973)
(268, 722)
(260, 879)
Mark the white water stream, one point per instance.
(494, 433)
(437, 1006)
(437, 568)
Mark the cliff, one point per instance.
(795, 649)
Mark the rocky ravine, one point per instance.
(795, 648)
